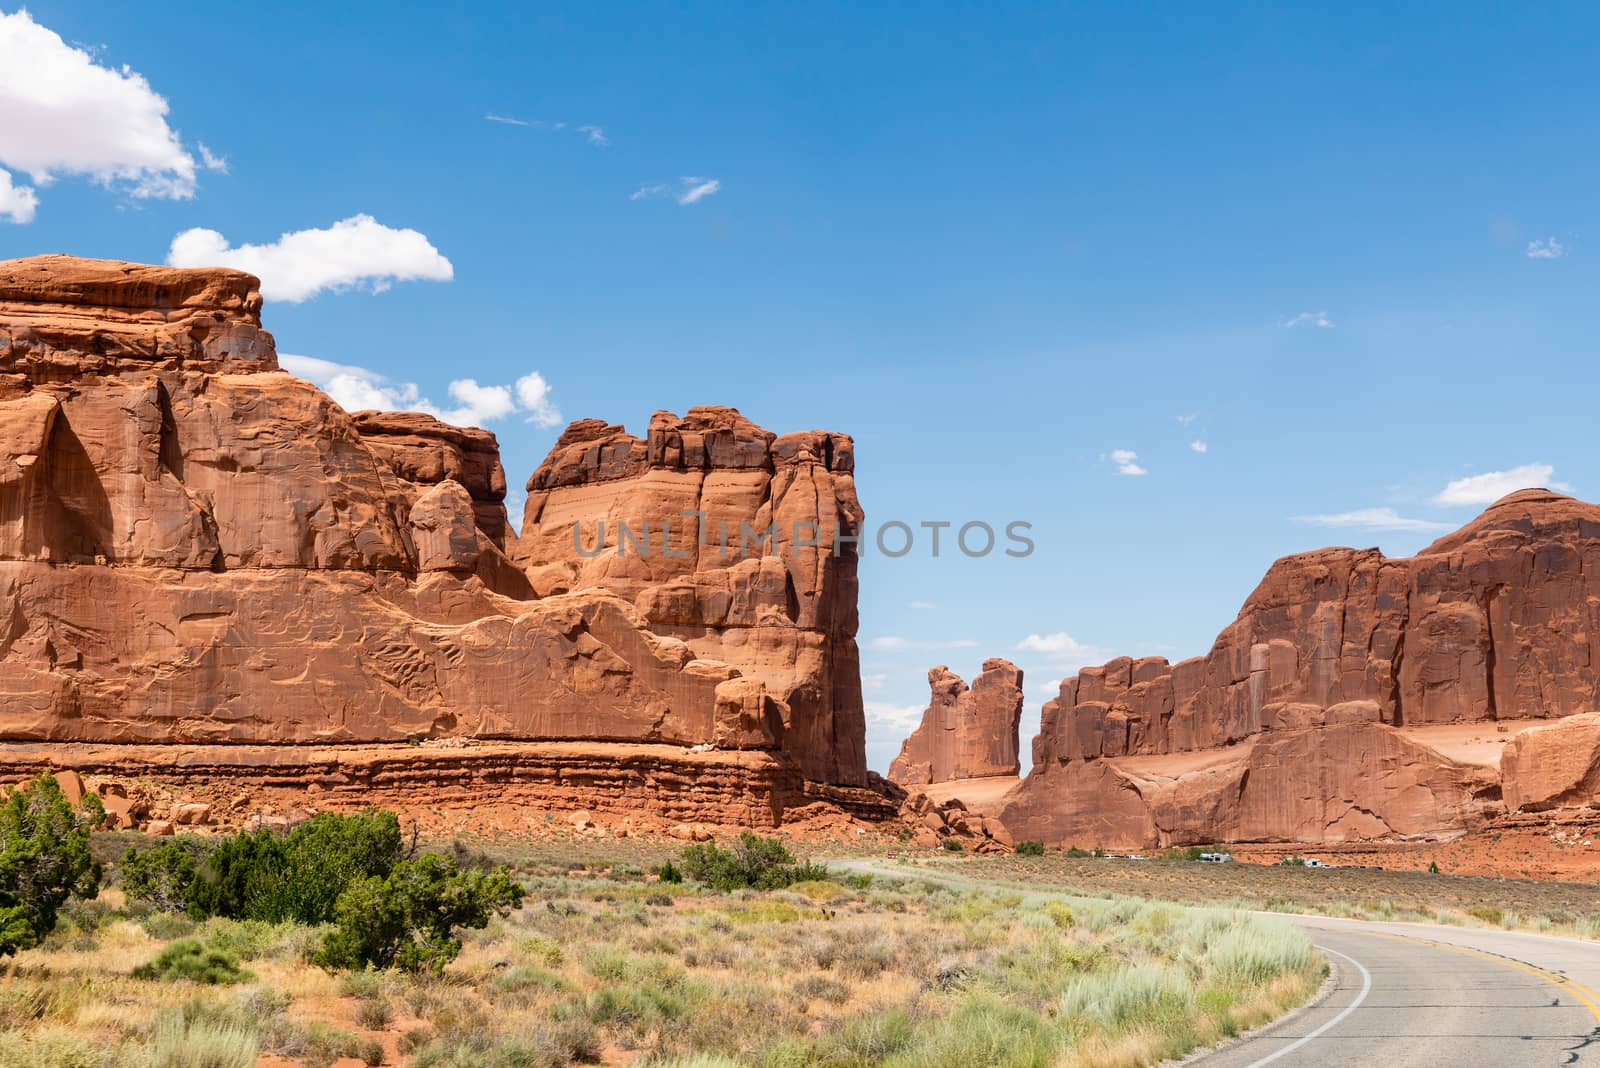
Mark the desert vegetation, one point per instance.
(1358, 893)
(192, 956)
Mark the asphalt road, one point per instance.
(1420, 994)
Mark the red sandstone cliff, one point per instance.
(198, 549)
(1339, 704)
(964, 733)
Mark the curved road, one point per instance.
(1417, 994)
(1420, 994)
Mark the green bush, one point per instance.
(163, 875)
(408, 918)
(1030, 849)
(44, 859)
(266, 876)
(952, 846)
(753, 863)
(669, 873)
(189, 958)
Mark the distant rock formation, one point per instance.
(964, 734)
(200, 550)
(1324, 713)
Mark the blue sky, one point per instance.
(1345, 249)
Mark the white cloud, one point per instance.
(1492, 485)
(356, 388)
(1127, 462)
(1314, 318)
(533, 395)
(593, 134)
(1372, 519)
(1199, 446)
(64, 114)
(1185, 420)
(923, 605)
(699, 188)
(210, 160)
(893, 643)
(874, 680)
(1550, 249)
(1063, 650)
(903, 718)
(17, 202)
(689, 190)
(299, 265)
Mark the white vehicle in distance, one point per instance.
(1216, 858)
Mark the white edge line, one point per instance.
(1366, 987)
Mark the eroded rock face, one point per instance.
(1498, 621)
(196, 547)
(722, 535)
(964, 733)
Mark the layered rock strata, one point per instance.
(199, 549)
(1333, 707)
(965, 733)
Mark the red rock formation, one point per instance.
(964, 734)
(721, 535)
(1341, 655)
(1553, 766)
(196, 547)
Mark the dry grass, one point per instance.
(1459, 900)
(618, 969)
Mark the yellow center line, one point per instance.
(1581, 993)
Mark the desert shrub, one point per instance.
(521, 977)
(1030, 849)
(1117, 998)
(266, 876)
(189, 958)
(983, 1032)
(753, 863)
(809, 872)
(162, 876)
(1489, 914)
(165, 926)
(182, 1041)
(374, 1014)
(412, 1040)
(262, 1002)
(44, 859)
(669, 872)
(1258, 951)
(952, 846)
(408, 919)
(823, 988)
(367, 985)
(48, 1047)
(1060, 913)
(557, 1045)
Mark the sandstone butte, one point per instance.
(209, 571)
(1355, 697)
(965, 733)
